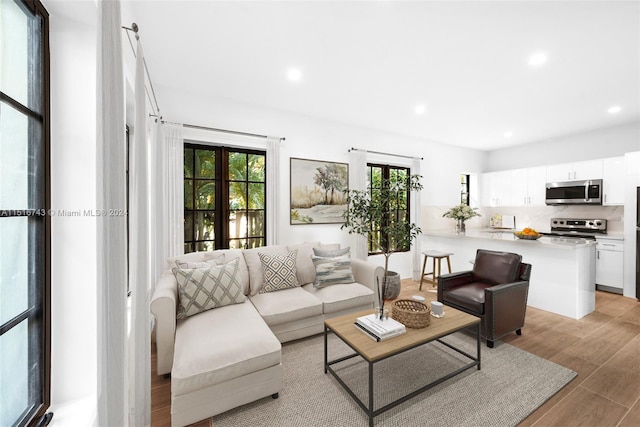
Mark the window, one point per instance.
(378, 175)
(224, 198)
(464, 189)
(24, 202)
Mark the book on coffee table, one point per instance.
(380, 329)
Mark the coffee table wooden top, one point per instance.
(372, 351)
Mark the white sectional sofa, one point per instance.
(228, 356)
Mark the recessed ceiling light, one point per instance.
(537, 59)
(615, 109)
(294, 74)
(420, 109)
(508, 134)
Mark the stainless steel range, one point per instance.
(576, 227)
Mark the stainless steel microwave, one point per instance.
(587, 192)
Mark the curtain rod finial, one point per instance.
(134, 27)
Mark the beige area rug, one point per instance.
(511, 384)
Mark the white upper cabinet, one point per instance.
(591, 169)
(613, 181)
(536, 186)
(517, 187)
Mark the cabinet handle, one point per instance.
(605, 198)
(598, 254)
(568, 175)
(574, 175)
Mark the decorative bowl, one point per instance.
(521, 235)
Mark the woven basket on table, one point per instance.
(412, 314)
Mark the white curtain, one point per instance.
(416, 212)
(273, 180)
(173, 191)
(141, 255)
(111, 280)
(358, 181)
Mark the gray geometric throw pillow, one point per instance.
(279, 271)
(201, 289)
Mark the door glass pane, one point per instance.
(14, 374)
(188, 194)
(256, 196)
(188, 162)
(204, 226)
(237, 224)
(237, 166)
(20, 75)
(14, 267)
(255, 223)
(205, 246)
(237, 195)
(205, 194)
(256, 167)
(14, 155)
(205, 166)
(188, 226)
(255, 243)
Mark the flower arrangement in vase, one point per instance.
(461, 213)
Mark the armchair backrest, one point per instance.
(496, 267)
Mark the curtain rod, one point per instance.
(234, 132)
(134, 28)
(385, 154)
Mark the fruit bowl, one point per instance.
(527, 234)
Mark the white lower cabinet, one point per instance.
(609, 265)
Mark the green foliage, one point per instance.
(380, 212)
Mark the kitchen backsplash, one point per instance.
(536, 217)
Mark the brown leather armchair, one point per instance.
(496, 291)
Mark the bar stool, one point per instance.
(436, 255)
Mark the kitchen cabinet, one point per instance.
(613, 181)
(591, 169)
(496, 188)
(609, 265)
(528, 186)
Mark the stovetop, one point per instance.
(577, 227)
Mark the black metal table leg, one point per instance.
(371, 410)
(326, 363)
(479, 345)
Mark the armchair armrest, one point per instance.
(505, 307)
(453, 280)
(164, 307)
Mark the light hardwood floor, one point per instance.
(603, 348)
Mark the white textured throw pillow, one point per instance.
(332, 270)
(201, 289)
(279, 271)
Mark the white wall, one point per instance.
(311, 138)
(73, 238)
(597, 144)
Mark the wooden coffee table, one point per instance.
(372, 351)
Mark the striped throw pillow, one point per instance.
(332, 270)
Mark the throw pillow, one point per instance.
(201, 289)
(327, 253)
(332, 270)
(279, 271)
(204, 264)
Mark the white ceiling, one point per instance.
(369, 63)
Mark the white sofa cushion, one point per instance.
(251, 257)
(279, 271)
(305, 270)
(341, 297)
(286, 306)
(236, 342)
(201, 289)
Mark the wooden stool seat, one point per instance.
(435, 255)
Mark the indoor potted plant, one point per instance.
(461, 213)
(379, 213)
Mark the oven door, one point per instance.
(574, 193)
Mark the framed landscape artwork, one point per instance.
(318, 191)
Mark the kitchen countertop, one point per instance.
(508, 236)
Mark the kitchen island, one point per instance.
(563, 268)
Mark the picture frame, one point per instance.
(318, 191)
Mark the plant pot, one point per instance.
(391, 285)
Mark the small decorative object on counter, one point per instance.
(527, 234)
(461, 213)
